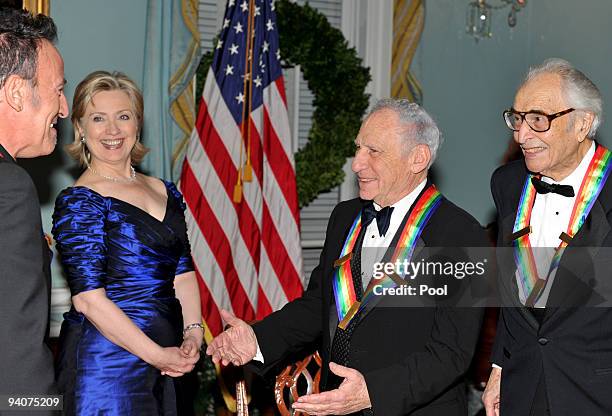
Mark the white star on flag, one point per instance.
(226, 23)
(257, 81)
(229, 70)
(233, 49)
(244, 6)
(257, 9)
(272, 6)
(240, 98)
(278, 55)
(269, 25)
(265, 47)
(238, 28)
(219, 44)
(231, 3)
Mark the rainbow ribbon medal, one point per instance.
(532, 286)
(344, 290)
(347, 304)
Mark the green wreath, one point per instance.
(336, 78)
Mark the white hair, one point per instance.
(419, 125)
(579, 91)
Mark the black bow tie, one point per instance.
(383, 217)
(544, 188)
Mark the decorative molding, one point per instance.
(379, 44)
(368, 27)
(37, 6)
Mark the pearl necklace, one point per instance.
(132, 177)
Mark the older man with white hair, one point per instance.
(378, 357)
(553, 351)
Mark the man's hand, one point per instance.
(236, 345)
(350, 397)
(491, 397)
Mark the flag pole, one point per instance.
(248, 170)
(243, 175)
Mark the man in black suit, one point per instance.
(399, 355)
(31, 101)
(553, 348)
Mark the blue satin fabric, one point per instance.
(107, 243)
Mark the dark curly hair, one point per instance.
(21, 34)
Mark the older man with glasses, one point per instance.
(552, 353)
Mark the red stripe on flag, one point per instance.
(210, 311)
(281, 166)
(263, 305)
(280, 84)
(279, 258)
(218, 243)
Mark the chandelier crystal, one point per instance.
(479, 13)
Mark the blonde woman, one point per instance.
(135, 323)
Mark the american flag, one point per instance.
(244, 234)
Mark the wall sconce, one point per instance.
(478, 18)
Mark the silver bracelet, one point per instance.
(192, 326)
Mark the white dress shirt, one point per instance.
(374, 245)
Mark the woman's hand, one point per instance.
(173, 362)
(191, 346)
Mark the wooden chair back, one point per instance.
(304, 373)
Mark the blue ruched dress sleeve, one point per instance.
(78, 229)
(185, 263)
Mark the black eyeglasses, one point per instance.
(537, 120)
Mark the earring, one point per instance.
(83, 140)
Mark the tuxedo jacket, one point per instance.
(413, 358)
(572, 347)
(26, 364)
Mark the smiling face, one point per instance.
(557, 152)
(386, 171)
(110, 127)
(44, 103)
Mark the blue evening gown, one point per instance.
(107, 243)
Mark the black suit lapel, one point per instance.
(572, 276)
(5, 156)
